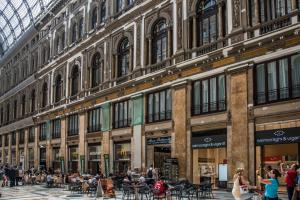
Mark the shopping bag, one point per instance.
(244, 189)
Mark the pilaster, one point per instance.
(9, 149)
(63, 142)
(26, 157)
(82, 142)
(17, 148)
(36, 147)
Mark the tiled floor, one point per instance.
(40, 192)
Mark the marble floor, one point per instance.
(41, 192)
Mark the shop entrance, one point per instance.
(160, 155)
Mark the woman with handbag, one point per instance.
(240, 185)
(272, 184)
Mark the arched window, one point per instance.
(103, 12)
(207, 11)
(130, 2)
(74, 32)
(94, 18)
(74, 80)
(81, 29)
(44, 94)
(62, 41)
(33, 101)
(23, 105)
(57, 44)
(58, 88)
(123, 55)
(270, 9)
(96, 70)
(159, 46)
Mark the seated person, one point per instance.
(49, 180)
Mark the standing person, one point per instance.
(150, 172)
(272, 184)
(238, 181)
(290, 178)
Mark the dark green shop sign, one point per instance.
(278, 136)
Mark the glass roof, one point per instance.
(16, 16)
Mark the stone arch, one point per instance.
(119, 38)
(156, 18)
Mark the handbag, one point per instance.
(244, 189)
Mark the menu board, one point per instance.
(171, 170)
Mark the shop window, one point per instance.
(209, 95)
(32, 100)
(123, 55)
(44, 95)
(56, 128)
(94, 124)
(122, 157)
(94, 18)
(160, 41)
(21, 136)
(96, 70)
(207, 13)
(43, 131)
(122, 114)
(159, 106)
(58, 88)
(277, 80)
(31, 134)
(74, 80)
(31, 157)
(73, 125)
(56, 159)
(73, 158)
(42, 157)
(94, 159)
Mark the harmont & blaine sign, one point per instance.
(209, 139)
(161, 140)
(278, 136)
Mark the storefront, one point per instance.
(73, 158)
(30, 158)
(122, 157)
(94, 158)
(55, 159)
(42, 158)
(158, 151)
(276, 146)
(210, 157)
(13, 157)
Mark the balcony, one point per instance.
(122, 123)
(159, 117)
(211, 107)
(275, 24)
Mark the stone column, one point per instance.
(17, 148)
(169, 53)
(26, 157)
(189, 161)
(36, 147)
(150, 50)
(179, 135)
(63, 141)
(294, 5)
(256, 12)
(9, 161)
(220, 20)
(82, 141)
(48, 153)
(237, 129)
(105, 149)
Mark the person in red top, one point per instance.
(290, 178)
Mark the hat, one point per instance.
(238, 170)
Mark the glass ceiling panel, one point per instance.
(16, 16)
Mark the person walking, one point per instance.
(290, 178)
(150, 172)
(272, 184)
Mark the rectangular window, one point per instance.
(277, 80)
(73, 125)
(56, 128)
(43, 131)
(159, 106)
(31, 134)
(21, 136)
(94, 123)
(122, 111)
(13, 138)
(209, 95)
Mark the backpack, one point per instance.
(150, 173)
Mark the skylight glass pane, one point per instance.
(10, 40)
(8, 12)
(16, 3)
(46, 2)
(14, 21)
(3, 4)
(6, 30)
(31, 3)
(36, 10)
(18, 31)
(2, 21)
(22, 10)
(26, 21)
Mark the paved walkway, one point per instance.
(40, 192)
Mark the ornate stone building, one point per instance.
(115, 84)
